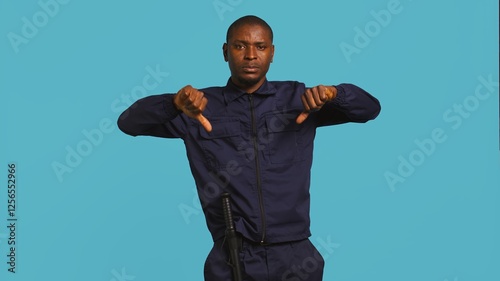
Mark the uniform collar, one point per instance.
(231, 92)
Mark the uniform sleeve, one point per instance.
(153, 116)
(352, 104)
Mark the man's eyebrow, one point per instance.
(248, 43)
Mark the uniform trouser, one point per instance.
(291, 261)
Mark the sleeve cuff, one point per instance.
(340, 97)
(169, 108)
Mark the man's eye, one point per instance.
(261, 48)
(239, 47)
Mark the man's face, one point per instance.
(249, 52)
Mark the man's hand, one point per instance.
(314, 98)
(192, 102)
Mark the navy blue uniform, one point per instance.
(258, 154)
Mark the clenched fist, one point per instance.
(314, 98)
(192, 103)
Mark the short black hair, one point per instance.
(250, 20)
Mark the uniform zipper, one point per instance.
(257, 170)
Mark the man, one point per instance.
(253, 139)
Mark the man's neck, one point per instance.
(249, 89)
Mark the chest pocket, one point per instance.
(284, 142)
(220, 146)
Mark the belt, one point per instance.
(243, 240)
(253, 243)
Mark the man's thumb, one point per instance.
(303, 116)
(204, 122)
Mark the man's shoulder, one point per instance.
(287, 86)
(285, 83)
(212, 89)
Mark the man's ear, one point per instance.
(224, 51)
(272, 53)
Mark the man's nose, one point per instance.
(251, 53)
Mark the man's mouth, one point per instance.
(250, 68)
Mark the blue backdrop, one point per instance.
(413, 195)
